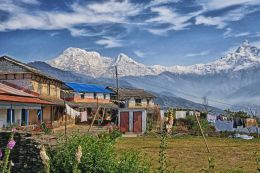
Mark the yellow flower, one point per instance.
(79, 154)
(44, 155)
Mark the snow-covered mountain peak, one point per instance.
(123, 58)
(246, 49)
(96, 65)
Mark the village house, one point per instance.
(90, 98)
(133, 98)
(20, 108)
(31, 80)
(136, 108)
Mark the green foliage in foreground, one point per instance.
(98, 156)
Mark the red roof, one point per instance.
(21, 99)
(10, 94)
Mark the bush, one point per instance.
(115, 134)
(194, 127)
(130, 163)
(98, 156)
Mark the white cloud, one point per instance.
(139, 53)
(79, 14)
(220, 4)
(214, 21)
(229, 33)
(222, 21)
(242, 34)
(203, 53)
(117, 12)
(162, 2)
(109, 42)
(168, 16)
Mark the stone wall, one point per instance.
(26, 153)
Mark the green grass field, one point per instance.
(189, 154)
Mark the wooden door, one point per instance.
(137, 122)
(124, 121)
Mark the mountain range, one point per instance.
(232, 81)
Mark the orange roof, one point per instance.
(21, 99)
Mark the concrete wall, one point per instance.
(3, 113)
(47, 114)
(88, 97)
(46, 89)
(33, 117)
(3, 117)
(131, 103)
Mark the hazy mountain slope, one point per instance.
(232, 79)
(168, 100)
(68, 76)
(165, 100)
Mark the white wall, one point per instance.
(3, 113)
(18, 116)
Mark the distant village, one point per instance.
(29, 98)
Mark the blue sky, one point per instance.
(166, 32)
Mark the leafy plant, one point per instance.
(129, 162)
(6, 164)
(162, 153)
(44, 128)
(115, 134)
(97, 156)
(211, 166)
(257, 154)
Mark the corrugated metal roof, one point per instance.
(5, 89)
(88, 88)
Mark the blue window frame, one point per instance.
(8, 117)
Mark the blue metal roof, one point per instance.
(88, 88)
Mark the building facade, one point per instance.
(33, 81)
(134, 98)
(22, 109)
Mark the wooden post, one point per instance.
(103, 114)
(201, 130)
(27, 117)
(65, 113)
(93, 119)
(11, 115)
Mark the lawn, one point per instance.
(189, 154)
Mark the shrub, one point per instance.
(129, 162)
(193, 125)
(98, 156)
(115, 134)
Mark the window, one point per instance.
(82, 96)
(148, 101)
(40, 115)
(95, 95)
(138, 102)
(105, 96)
(8, 117)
